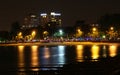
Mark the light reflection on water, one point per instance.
(61, 54)
(79, 51)
(21, 62)
(56, 56)
(104, 48)
(46, 52)
(34, 58)
(52, 55)
(112, 50)
(95, 52)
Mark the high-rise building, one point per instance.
(30, 21)
(44, 19)
(52, 19)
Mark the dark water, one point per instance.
(38, 58)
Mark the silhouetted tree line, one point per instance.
(4, 35)
(109, 20)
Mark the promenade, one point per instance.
(59, 43)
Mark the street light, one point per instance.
(33, 34)
(95, 32)
(19, 35)
(94, 29)
(112, 33)
(45, 34)
(111, 28)
(61, 32)
(79, 33)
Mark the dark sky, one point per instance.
(72, 10)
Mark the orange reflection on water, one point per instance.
(112, 50)
(21, 62)
(95, 51)
(79, 51)
(21, 56)
(47, 53)
(34, 58)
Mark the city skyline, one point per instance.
(42, 19)
(72, 11)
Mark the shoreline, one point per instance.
(60, 43)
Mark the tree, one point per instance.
(109, 20)
(84, 27)
(15, 27)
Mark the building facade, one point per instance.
(30, 21)
(51, 19)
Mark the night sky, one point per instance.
(72, 10)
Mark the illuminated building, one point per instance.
(30, 21)
(44, 19)
(52, 19)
